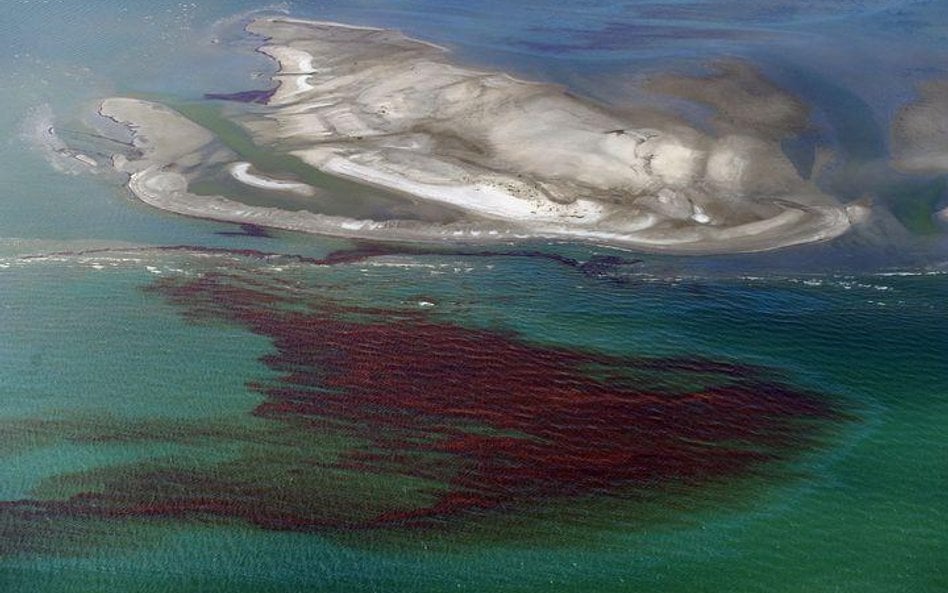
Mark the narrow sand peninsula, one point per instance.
(522, 159)
(241, 172)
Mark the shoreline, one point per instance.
(543, 165)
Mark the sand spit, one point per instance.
(241, 172)
(522, 159)
(39, 131)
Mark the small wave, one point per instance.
(912, 273)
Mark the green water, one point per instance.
(865, 511)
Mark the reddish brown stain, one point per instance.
(500, 423)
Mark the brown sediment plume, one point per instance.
(742, 98)
(475, 422)
(919, 131)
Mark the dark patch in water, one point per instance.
(801, 150)
(248, 230)
(261, 97)
(492, 423)
(609, 267)
(624, 35)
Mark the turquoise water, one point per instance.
(100, 376)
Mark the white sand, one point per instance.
(527, 152)
(241, 172)
(523, 159)
(484, 199)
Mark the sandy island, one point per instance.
(520, 159)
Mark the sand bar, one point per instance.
(241, 172)
(522, 159)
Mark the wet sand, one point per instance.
(520, 159)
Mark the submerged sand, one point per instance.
(920, 131)
(520, 159)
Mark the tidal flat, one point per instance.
(519, 159)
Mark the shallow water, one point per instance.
(109, 380)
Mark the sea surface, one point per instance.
(193, 406)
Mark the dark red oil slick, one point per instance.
(499, 423)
